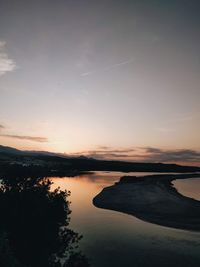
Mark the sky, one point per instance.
(111, 79)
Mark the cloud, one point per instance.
(107, 68)
(178, 155)
(6, 64)
(87, 73)
(104, 147)
(106, 150)
(107, 153)
(145, 154)
(29, 138)
(22, 137)
(110, 156)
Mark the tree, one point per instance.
(35, 225)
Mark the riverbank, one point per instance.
(152, 198)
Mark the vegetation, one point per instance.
(34, 224)
(55, 166)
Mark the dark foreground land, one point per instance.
(154, 199)
(34, 225)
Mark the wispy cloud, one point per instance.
(105, 152)
(21, 137)
(25, 137)
(145, 154)
(107, 68)
(104, 147)
(177, 155)
(6, 63)
(87, 73)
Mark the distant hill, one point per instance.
(82, 163)
(10, 150)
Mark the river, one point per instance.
(115, 239)
(188, 187)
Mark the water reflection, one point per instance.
(115, 239)
(188, 187)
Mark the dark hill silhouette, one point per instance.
(51, 163)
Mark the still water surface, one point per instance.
(112, 238)
(188, 187)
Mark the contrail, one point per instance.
(119, 64)
(108, 67)
(87, 73)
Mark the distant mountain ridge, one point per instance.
(15, 151)
(82, 163)
(10, 150)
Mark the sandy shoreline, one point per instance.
(154, 199)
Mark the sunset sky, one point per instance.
(106, 78)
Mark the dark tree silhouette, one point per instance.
(34, 225)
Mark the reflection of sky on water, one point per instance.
(188, 187)
(115, 239)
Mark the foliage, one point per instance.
(34, 225)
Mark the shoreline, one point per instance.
(153, 199)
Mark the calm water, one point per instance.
(115, 239)
(188, 187)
